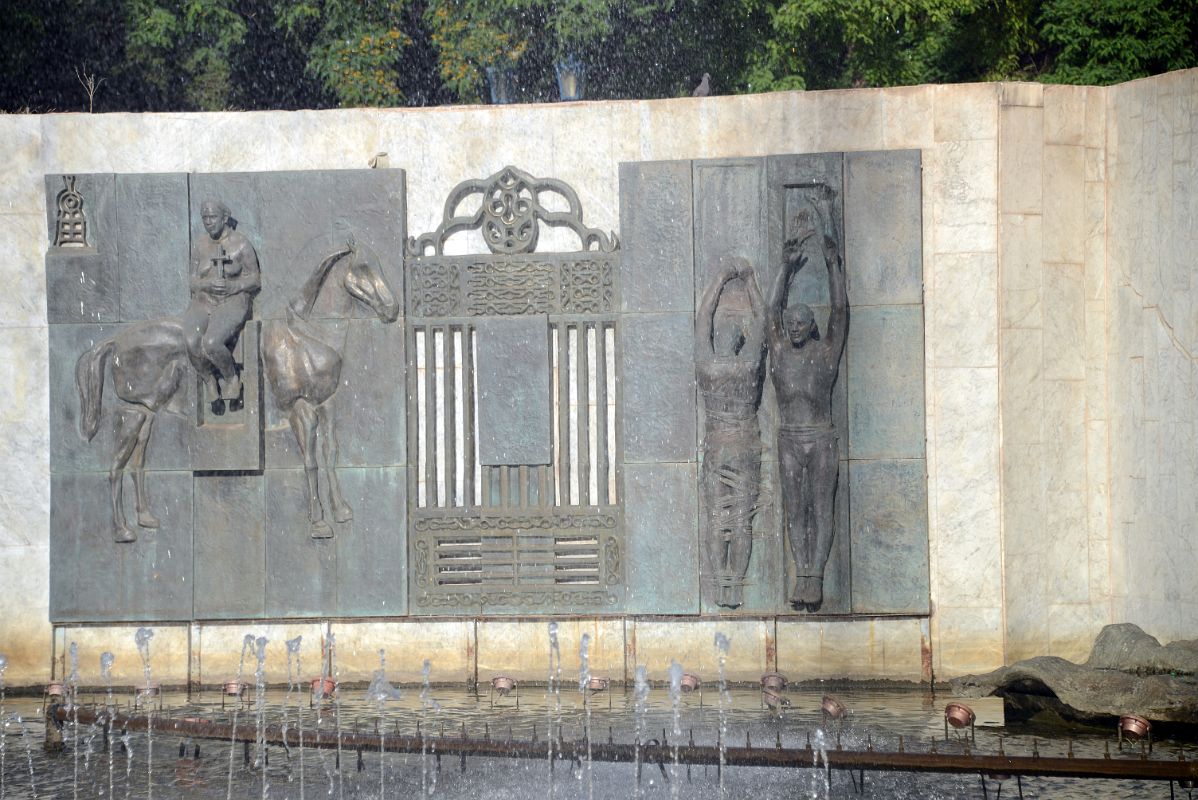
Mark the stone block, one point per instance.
(1021, 94)
(1024, 502)
(907, 118)
(95, 579)
(24, 437)
(657, 237)
(890, 536)
(1022, 390)
(301, 574)
(968, 552)
(660, 507)
(521, 650)
(168, 657)
(1021, 151)
(153, 248)
(372, 549)
(1021, 286)
(514, 418)
(1065, 114)
(968, 640)
(883, 253)
(447, 645)
(230, 546)
(966, 428)
(81, 282)
(965, 310)
(885, 383)
(23, 303)
(1064, 203)
(658, 387)
(966, 111)
(219, 651)
(963, 178)
(849, 120)
(729, 216)
(22, 135)
(295, 219)
(1065, 322)
(692, 644)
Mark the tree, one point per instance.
(1109, 41)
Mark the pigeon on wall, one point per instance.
(704, 87)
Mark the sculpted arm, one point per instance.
(705, 319)
(250, 279)
(838, 318)
(756, 336)
(792, 261)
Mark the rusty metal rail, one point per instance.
(654, 752)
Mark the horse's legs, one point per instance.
(145, 518)
(128, 425)
(303, 424)
(328, 447)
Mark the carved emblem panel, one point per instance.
(542, 534)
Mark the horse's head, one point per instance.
(365, 282)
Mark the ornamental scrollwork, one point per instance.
(509, 215)
(612, 567)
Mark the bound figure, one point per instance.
(803, 368)
(729, 356)
(223, 279)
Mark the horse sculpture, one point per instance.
(304, 373)
(149, 361)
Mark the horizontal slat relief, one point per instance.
(517, 560)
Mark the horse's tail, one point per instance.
(89, 380)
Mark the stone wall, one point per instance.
(1043, 327)
(1151, 291)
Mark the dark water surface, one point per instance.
(86, 770)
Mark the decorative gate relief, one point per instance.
(514, 488)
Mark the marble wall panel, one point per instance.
(230, 546)
(657, 236)
(658, 398)
(890, 537)
(883, 227)
(885, 383)
(372, 550)
(660, 508)
(301, 580)
(153, 246)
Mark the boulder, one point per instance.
(1128, 672)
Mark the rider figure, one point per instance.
(224, 278)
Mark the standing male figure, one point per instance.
(224, 278)
(803, 368)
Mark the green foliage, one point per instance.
(226, 54)
(354, 48)
(1109, 41)
(183, 49)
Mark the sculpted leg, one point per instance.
(791, 486)
(710, 528)
(224, 326)
(195, 324)
(825, 473)
(145, 518)
(328, 446)
(303, 425)
(128, 423)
